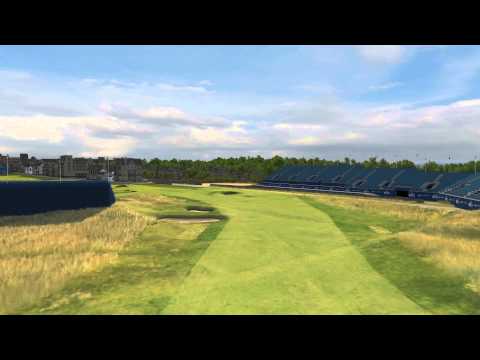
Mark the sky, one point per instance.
(202, 102)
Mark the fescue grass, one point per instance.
(452, 242)
(147, 273)
(422, 251)
(40, 253)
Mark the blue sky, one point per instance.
(201, 102)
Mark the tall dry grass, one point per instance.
(446, 236)
(404, 210)
(453, 243)
(40, 253)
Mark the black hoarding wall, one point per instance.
(31, 197)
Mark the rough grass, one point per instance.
(401, 209)
(40, 253)
(452, 242)
(432, 254)
(277, 254)
(147, 273)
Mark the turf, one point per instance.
(273, 254)
(434, 289)
(147, 273)
(20, 177)
(277, 256)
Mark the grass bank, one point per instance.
(40, 253)
(416, 263)
(147, 272)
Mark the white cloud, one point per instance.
(307, 140)
(329, 137)
(35, 128)
(325, 89)
(386, 54)
(14, 75)
(63, 131)
(108, 147)
(351, 135)
(144, 86)
(385, 86)
(162, 116)
(298, 126)
(205, 83)
(233, 136)
(171, 87)
(467, 103)
(162, 113)
(118, 117)
(5, 149)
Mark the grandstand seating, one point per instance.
(376, 177)
(414, 179)
(466, 188)
(448, 180)
(354, 174)
(462, 189)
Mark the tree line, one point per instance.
(254, 169)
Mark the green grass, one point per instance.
(276, 254)
(22, 177)
(147, 274)
(435, 290)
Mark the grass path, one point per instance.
(277, 256)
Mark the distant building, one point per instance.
(127, 169)
(80, 167)
(51, 167)
(24, 160)
(118, 169)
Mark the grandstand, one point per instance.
(461, 189)
(32, 197)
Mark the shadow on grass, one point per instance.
(434, 289)
(50, 217)
(199, 208)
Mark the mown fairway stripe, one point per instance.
(277, 255)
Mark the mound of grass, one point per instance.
(41, 253)
(145, 277)
(437, 290)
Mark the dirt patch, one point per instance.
(189, 220)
